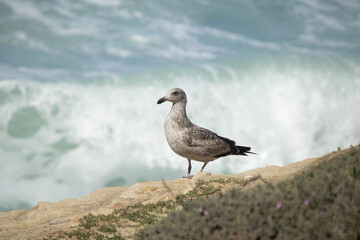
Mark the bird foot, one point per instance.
(189, 176)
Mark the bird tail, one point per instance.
(243, 150)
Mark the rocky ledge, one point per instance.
(47, 220)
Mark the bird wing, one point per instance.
(213, 144)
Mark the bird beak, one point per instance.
(161, 100)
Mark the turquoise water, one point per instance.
(79, 81)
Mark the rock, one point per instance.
(48, 219)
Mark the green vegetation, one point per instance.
(321, 203)
(101, 227)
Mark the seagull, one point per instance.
(191, 141)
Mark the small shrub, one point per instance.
(321, 203)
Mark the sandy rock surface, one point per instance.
(47, 218)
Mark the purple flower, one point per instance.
(278, 205)
(306, 202)
(322, 212)
(206, 213)
(200, 209)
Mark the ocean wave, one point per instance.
(79, 82)
(76, 137)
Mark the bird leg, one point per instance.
(189, 170)
(203, 166)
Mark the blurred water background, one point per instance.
(79, 81)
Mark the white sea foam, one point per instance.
(123, 53)
(242, 39)
(95, 133)
(105, 3)
(177, 53)
(79, 82)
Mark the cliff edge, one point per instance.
(47, 219)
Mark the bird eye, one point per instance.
(175, 93)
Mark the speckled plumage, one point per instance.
(191, 141)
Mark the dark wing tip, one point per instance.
(244, 150)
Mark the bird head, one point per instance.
(174, 95)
